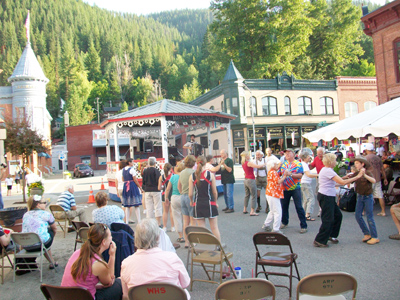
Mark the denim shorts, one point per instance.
(187, 210)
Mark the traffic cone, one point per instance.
(91, 196)
(102, 185)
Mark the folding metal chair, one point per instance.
(78, 225)
(51, 292)
(249, 289)
(157, 291)
(275, 259)
(25, 240)
(211, 257)
(56, 210)
(4, 254)
(201, 248)
(331, 286)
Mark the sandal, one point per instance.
(180, 240)
(51, 266)
(245, 212)
(309, 218)
(253, 215)
(381, 214)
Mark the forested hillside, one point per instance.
(90, 53)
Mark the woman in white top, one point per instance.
(306, 189)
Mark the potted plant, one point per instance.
(36, 188)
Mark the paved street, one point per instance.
(375, 267)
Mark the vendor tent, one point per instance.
(379, 121)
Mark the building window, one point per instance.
(242, 104)
(269, 106)
(326, 105)
(222, 106)
(235, 106)
(305, 106)
(369, 105)
(212, 107)
(288, 110)
(350, 109)
(253, 106)
(227, 105)
(397, 58)
(20, 113)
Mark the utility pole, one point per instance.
(98, 112)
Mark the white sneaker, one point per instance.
(144, 211)
(278, 231)
(165, 229)
(173, 229)
(266, 228)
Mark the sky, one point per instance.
(144, 7)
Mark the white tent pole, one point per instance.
(164, 138)
(209, 140)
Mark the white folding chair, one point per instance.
(25, 240)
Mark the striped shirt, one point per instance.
(66, 200)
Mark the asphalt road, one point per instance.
(375, 267)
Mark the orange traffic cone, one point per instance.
(91, 196)
(102, 185)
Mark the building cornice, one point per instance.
(344, 80)
(381, 18)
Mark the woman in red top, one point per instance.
(250, 186)
(274, 193)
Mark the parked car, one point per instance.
(82, 170)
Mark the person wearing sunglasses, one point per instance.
(41, 222)
(86, 267)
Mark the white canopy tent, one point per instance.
(379, 122)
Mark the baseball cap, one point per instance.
(369, 147)
(286, 150)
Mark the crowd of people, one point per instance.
(186, 194)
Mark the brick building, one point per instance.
(383, 25)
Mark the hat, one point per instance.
(369, 147)
(286, 150)
(361, 159)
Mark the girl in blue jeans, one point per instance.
(365, 200)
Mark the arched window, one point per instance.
(350, 109)
(305, 105)
(212, 107)
(396, 48)
(369, 104)
(326, 105)
(269, 106)
(288, 110)
(253, 105)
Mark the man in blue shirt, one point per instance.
(67, 201)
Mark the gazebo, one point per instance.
(159, 120)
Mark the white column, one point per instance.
(229, 139)
(108, 148)
(116, 146)
(164, 138)
(131, 142)
(209, 140)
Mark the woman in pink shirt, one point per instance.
(86, 267)
(250, 186)
(151, 264)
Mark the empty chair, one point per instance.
(333, 285)
(157, 291)
(199, 249)
(249, 289)
(55, 209)
(214, 257)
(3, 254)
(24, 240)
(275, 259)
(51, 292)
(78, 225)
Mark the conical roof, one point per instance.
(28, 67)
(232, 73)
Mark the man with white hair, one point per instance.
(261, 178)
(377, 171)
(67, 201)
(152, 197)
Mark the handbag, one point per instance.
(348, 200)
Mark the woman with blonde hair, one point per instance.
(331, 215)
(250, 186)
(203, 196)
(166, 196)
(86, 267)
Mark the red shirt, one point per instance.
(248, 171)
(318, 164)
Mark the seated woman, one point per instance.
(150, 263)
(41, 222)
(86, 267)
(106, 214)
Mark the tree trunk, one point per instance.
(23, 179)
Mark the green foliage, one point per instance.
(360, 69)
(124, 107)
(190, 93)
(141, 90)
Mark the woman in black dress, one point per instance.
(203, 196)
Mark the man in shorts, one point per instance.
(377, 171)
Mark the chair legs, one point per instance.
(3, 254)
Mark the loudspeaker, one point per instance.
(148, 146)
(173, 151)
(216, 145)
(204, 141)
(197, 149)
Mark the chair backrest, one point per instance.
(327, 284)
(190, 229)
(83, 233)
(51, 292)
(122, 226)
(25, 238)
(250, 289)
(79, 224)
(56, 208)
(270, 238)
(157, 291)
(203, 238)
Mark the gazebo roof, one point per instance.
(167, 107)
